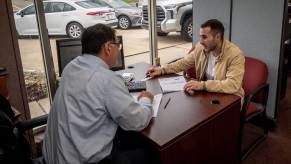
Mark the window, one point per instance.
(117, 3)
(47, 7)
(88, 4)
(57, 7)
(30, 10)
(68, 7)
(135, 42)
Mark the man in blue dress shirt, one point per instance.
(91, 103)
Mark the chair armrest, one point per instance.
(32, 123)
(247, 100)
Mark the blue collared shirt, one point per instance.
(89, 105)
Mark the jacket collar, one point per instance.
(224, 43)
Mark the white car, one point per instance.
(65, 17)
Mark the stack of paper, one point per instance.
(156, 103)
(172, 84)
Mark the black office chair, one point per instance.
(14, 147)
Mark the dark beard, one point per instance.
(213, 48)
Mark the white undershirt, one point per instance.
(210, 71)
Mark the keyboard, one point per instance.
(135, 86)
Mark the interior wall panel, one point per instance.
(257, 30)
(210, 9)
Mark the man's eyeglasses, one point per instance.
(118, 44)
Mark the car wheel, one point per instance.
(162, 33)
(124, 22)
(187, 29)
(74, 30)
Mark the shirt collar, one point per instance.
(93, 59)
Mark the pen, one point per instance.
(167, 103)
(147, 75)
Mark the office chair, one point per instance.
(254, 107)
(255, 101)
(14, 147)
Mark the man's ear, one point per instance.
(218, 36)
(107, 48)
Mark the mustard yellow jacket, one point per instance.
(229, 68)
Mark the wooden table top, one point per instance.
(183, 113)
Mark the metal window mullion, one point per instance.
(46, 50)
(152, 15)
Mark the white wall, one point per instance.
(210, 9)
(257, 28)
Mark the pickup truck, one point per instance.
(172, 16)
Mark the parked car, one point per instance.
(172, 16)
(65, 17)
(128, 15)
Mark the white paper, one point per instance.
(172, 84)
(156, 103)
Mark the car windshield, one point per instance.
(117, 3)
(89, 4)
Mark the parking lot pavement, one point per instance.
(135, 42)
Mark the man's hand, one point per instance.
(154, 72)
(146, 94)
(193, 85)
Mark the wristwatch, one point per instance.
(163, 71)
(203, 85)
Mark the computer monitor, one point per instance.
(68, 49)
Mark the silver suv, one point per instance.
(172, 16)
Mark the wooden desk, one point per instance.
(191, 129)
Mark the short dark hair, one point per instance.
(215, 25)
(95, 36)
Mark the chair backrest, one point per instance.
(256, 74)
(190, 73)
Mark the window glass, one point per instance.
(116, 3)
(171, 44)
(57, 7)
(68, 7)
(88, 4)
(100, 2)
(47, 7)
(30, 10)
(31, 57)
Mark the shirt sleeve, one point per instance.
(124, 110)
(183, 64)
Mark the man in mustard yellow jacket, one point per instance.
(219, 64)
